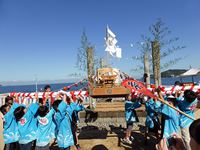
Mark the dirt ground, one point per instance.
(112, 142)
(94, 139)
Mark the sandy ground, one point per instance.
(103, 140)
(112, 142)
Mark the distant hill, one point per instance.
(172, 72)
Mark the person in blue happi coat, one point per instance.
(171, 124)
(10, 132)
(78, 106)
(63, 118)
(27, 125)
(130, 116)
(152, 122)
(46, 128)
(186, 103)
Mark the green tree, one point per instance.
(145, 48)
(158, 32)
(81, 62)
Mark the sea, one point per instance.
(39, 87)
(57, 87)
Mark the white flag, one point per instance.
(111, 42)
(119, 52)
(110, 32)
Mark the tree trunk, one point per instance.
(146, 69)
(156, 62)
(90, 62)
(90, 70)
(102, 64)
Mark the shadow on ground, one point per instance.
(93, 138)
(138, 141)
(99, 147)
(92, 132)
(90, 116)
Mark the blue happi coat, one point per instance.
(46, 129)
(27, 125)
(64, 120)
(10, 132)
(129, 110)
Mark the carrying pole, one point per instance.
(181, 112)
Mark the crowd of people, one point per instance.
(38, 125)
(172, 129)
(43, 122)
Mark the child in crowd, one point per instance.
(11, 101)
(38, 123)
(46, 128)
(130, 116)
(187, 104)
(10, 132)
(27, 125)
(46, 99)
(171, 117)
(152, 121)
(78, 107)
(67, 110)
(57, 116)
(171, 123)
(194, 131)
(63, 119)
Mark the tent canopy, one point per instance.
(191, 72)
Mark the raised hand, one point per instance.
(65, 98)
(162, 145)
(36, 96)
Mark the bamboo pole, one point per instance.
(181, 112)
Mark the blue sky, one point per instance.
(41, 37)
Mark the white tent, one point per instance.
(191, 72)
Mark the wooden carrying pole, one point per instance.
(181, 112)
(140, 88)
